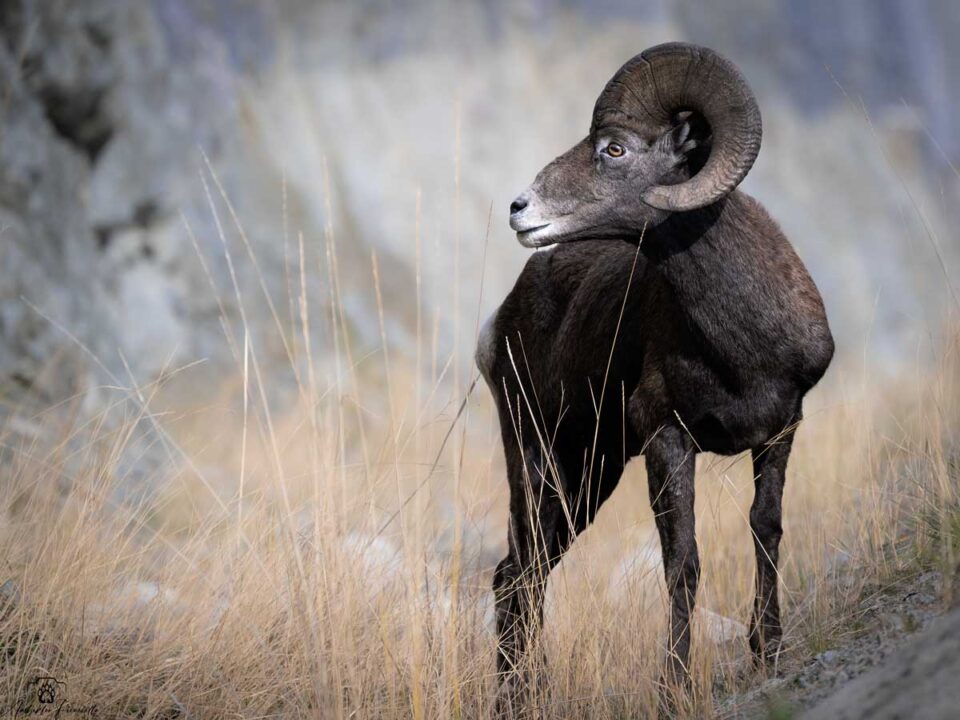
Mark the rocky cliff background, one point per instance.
(121, 122)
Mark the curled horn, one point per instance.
(666, 79)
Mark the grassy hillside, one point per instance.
(334, 558)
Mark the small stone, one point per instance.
(828, 658)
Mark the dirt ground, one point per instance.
(885, 667)
(918, 681)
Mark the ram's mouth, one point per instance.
(534, 237)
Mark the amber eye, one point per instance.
(614, 150)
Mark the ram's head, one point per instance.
(675, 129)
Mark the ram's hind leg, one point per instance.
(769, 471)
(670, 459)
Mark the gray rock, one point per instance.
(720, 629)
(828, 658)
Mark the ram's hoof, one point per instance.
(768, 653)
(515, 699)
(511, 696)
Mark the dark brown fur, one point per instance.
(723, 332)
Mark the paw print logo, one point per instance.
(47, 690)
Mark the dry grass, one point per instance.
(333, 559)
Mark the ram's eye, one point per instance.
(614, 150)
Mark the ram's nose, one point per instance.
(518, 205)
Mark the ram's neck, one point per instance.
(693, 250)
(713, 261)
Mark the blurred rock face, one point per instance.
(330, 120)
(98, 126)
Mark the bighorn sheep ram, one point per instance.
(680, 321)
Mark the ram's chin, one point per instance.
(538, 237)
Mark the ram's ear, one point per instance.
(689, 132)
(690, 138)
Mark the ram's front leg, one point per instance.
(539, 534)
